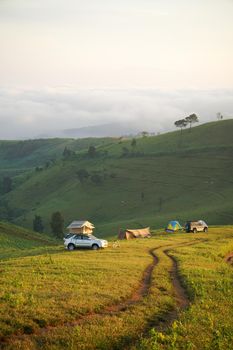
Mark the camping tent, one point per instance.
(130, 234)
(173, 226)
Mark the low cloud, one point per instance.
(30, 113)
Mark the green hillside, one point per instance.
(171, 176)
(19, 156)
(17, 241)
(19, 159)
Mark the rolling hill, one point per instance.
(16, 241)
(23, 155)
(176, 175)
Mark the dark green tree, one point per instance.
(38, 224)
(57, 224)
(67, 153)
(182, 123)
(91, 152)
(191, 119)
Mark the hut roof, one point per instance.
(80, 223)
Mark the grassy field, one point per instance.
(173, 291)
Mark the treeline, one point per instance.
(91, 152)
(96, 177)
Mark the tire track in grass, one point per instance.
(179, 293)
(140, 292)
(138, 295)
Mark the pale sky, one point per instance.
(68, 48)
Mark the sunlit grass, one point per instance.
(63, 300)
(207, 323)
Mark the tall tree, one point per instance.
(57, 224)
(91, 151)
(191, 119)
(182, 123)
(38, 224)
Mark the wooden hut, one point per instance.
(81, 226)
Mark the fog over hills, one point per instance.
(104, 130)
(71, 112)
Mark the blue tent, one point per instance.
(173, 226)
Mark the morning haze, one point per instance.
(71, 65)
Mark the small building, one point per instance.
(82, 226)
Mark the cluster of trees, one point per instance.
(68, 153)
(91, 153)
(37, 224)
(56, 224)
(96, 177)
(47, 164)
(182, 123)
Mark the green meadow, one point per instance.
(176, 175)
(172, 291)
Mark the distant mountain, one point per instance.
(104, 130)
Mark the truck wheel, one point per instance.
(194, 230)
(71, 246)
(95, 247)
(205, 229)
